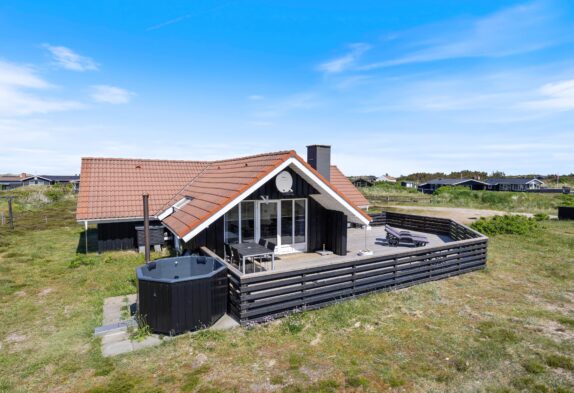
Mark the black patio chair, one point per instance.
(228, 253)
(262, 242)
(271, 246)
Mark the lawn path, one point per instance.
(459, 214)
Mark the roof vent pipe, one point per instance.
(146, 226)
(319, 157)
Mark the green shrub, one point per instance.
(533, 366)
(193, 379)
(143, 330)
(507, 225)
(566, 200)
(541, 217)
(454, 190)
(293, 324)
(82, 260)
(54, 193)
(497, 333)
(559, 361)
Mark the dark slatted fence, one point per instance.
(261, 297)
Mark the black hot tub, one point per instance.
(183, 293)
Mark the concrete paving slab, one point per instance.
(224, 323)
(117, 348)
(113, 309)
(149, 341)
(115, 337)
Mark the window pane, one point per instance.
(300, 221)
(286, 222)
(232, 225)
(247, 221)
(268, 221)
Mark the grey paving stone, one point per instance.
(150, 341)
(115, 337)
(117, 348)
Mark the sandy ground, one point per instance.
(462, 215)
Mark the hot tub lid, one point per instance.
(178, 269)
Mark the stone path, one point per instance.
(459, 214)
(117, 320)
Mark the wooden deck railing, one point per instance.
(261, 297)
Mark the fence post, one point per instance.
(303, 282)
(10, 213)
(3, 218)
(354, 277)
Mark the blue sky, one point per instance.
(394, 88)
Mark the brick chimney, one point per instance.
(23, 175)
(319, 157)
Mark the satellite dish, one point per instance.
(284, 182)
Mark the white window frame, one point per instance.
(281, 248)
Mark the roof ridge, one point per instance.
(208, 162)
(211, 164)
(276, 153)
(141, 159)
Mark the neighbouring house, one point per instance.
(433, 185)
(9, 182)
(387, 178)
(296, 204)
(409, 184)
(50, 180)
(514, 184)
(363, 181)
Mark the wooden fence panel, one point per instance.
(262, 297)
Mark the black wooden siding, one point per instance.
(212, 237)
(301, 189)
(120, 235)
(326, 227)
(565, 213)
(173, 308)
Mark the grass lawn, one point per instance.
(520, 202)
(509, 328)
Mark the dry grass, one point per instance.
(506, 329)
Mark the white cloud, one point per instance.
(559, 96)
(519, 29)
(300, 101)
(343, 63)
(16, 100)
(20, 76)
(70, 60)
(111, 94)
(255, 97)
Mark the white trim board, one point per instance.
(112, 220)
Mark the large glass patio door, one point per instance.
(284, 223)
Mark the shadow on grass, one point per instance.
(92, 235)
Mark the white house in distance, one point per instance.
(387, 178)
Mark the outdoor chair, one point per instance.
(395, 238)
(228, 252)
(262, 242)
(271, 246)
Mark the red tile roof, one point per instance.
(219, 184)
(112, 188)
(344, 185)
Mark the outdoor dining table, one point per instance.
(250, 250)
